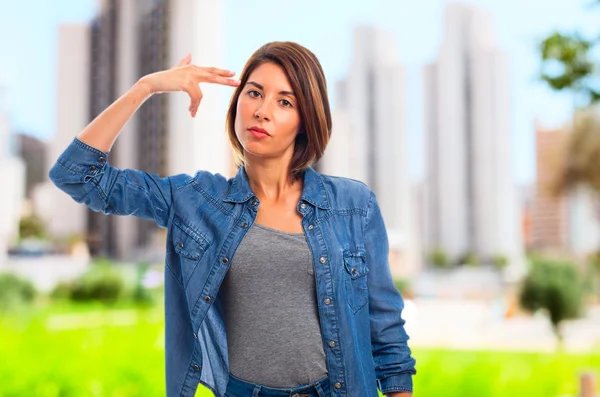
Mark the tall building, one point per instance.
(12, 180)
(471, 197)
(549, 221)
(368, 139)
(127, 40)
(63, 217)
(565, 222)
(33, 152)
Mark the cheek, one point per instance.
(292, 122)
(244, 107)
(240, 115)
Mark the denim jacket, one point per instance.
(207, 216)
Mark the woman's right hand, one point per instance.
(186, 77)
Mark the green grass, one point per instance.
(82, 351)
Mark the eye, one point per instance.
(254, 93)
(286, 103)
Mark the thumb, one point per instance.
(186, 60)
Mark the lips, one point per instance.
(258, 132)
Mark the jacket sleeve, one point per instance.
(394, 365)
(83, 172)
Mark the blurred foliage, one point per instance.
(101, 282)
(32, 226)
(569, 63)
(499, 261)
(402, 285)
(15, 292)
(107, 283)
(468, 259)
(582, 155)
(438, 259)
(557, 288)
(593, 277)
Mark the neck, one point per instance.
(271, 179)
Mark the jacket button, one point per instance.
(327, 301)
(323, 259)
(310, 227)
(255, 203)
(338, 385)
(101, 159)
(195, 336)
(244, 224)
(196, 367)
(180, 245)
(225, 260)
(207, 299)
(92, 167)
(302, 205)
(331, 343)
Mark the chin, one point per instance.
(255, 149)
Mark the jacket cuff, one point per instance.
(81, 158)
(402, 382)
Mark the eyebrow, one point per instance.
(262, 88)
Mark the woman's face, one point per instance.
(267, 119)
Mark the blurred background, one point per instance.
(476, 124)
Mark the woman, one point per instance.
(277, 280)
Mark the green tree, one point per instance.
(15, 292)
(569, 64)
(469, 258)
(31, 226)
(555, 287)
(438, 258)
(499, 261)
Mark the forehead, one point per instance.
(270, 75)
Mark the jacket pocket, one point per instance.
(190, 246)
(357, 293)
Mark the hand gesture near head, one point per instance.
(186, 77)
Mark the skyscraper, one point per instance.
(129, 39)
(62, 216)
(549, 213)
(567, 221)
(12, 180)
(470, 194)
(368, 138)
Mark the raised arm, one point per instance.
(103, 131)
(83, 170)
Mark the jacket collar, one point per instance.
(313, 190)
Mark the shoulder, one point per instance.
(346, 192)
(211, 182)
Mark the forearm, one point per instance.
(103, 131)
(398, 394)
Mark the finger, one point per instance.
(224, 81)
(195, 96)
(195, 110)
(216, 71)
(185, 60)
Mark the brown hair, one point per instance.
(308, 83)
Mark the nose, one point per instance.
(261, 113)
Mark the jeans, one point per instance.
(237, 387)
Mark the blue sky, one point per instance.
(28, 32)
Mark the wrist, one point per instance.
(143, 89)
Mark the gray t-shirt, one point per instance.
(270, 310)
